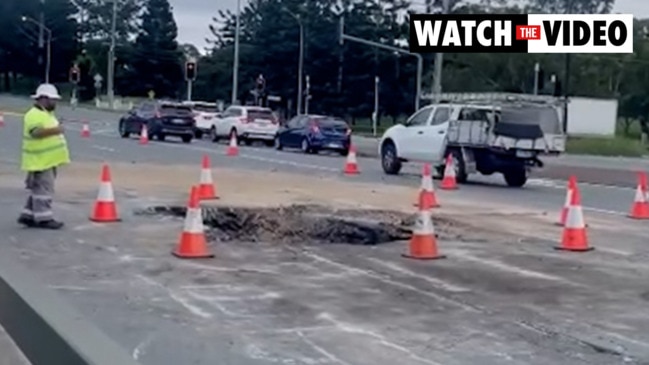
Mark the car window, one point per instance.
(147, 107)
(420, 118)
(234, 112)
(442, 114)
(294, 122)
(260, 114)
(206, 108)
(175, 109)
(329, 122)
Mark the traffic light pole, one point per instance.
(190, 85)
(110, 83)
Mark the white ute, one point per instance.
(248, 123)
(482, 132)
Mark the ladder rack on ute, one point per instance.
(495, 98)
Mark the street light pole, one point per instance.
(300, 70)
(48, 59)
(110, 84)
(235, 67)
(439, 60)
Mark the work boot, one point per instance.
(26, 221)
(51, 224)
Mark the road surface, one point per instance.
(10, 354)
(502, 296)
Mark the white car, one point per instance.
(247, 123)
(479, 136)
(205, 114)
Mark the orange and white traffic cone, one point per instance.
(144, 135)
(206, 188)
(640, 207)
(2, 120)
(427, 198)
(351, 165)
(574, 236)
(423, 244)
(233, 148)
(105, 208)
(572, 183)
(449, 182)
(192, 243)
(85, 130)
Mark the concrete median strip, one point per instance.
(45, 328)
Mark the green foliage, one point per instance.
(156, 57)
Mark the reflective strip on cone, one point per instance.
(206, 176)
(194, 221)
(575, 218)
(427, 183)
(105, 192)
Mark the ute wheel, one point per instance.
(160, 137)
(516, 178)
(389, 159)
(187, 139)
(248, 142)
(198, 134)
(122, 130)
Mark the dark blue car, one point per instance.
(314, 133)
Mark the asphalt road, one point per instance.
(605, 203)
(607, 184)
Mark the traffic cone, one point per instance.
(85, 130)
(572, 184)
(105, 209)
(144, 135)
(640, 207)
(206, 189)
(423, 244)
(233, 148)
(574, 236)
(2, 120)
(351, 165)
(427, 198)
(192, 243)
(449, 182)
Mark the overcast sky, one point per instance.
(194, 16)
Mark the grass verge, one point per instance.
(616, 146)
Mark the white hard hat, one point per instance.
(48, 91)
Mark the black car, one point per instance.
(313, 133)
(162, 119)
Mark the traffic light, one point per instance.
(75, 75)
(190, 71)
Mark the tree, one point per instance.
(156, 57)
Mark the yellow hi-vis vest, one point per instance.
(42, 153)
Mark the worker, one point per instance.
(44, 150)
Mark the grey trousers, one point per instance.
(39, 203)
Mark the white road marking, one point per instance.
(103, 148)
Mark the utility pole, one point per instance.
(566, 86)
(307, 95)
(439, 60)
(537, 70)
(300, 68)
(235, 68)
(110, 83)
(375, 115)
